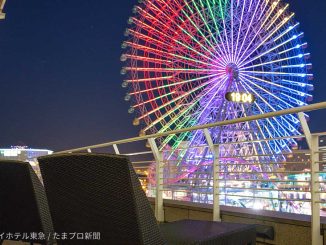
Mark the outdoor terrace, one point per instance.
(208, 198)
(290, 228)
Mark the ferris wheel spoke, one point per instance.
(277, 16)
(224, 30)
(268, 92)
(158, 31)
(169, 70)
(156, 98)
(217, 29)
(232, 26)
(239, 31)
(185, 123)
(202, 111)
(279, 134)
(289, 29)
(146, 59)
(293, 100)
(145, 49)
(195, 61)
(179, 115)
(263, 11)
(278, 62)
(188, 118)
(266, 18)
(292, 118)
(270, 134)
(266, 102)
(267, 84)
(205, 23)
(147, 38)
(213, 97)
(166, 126)
(158, 17)
(271, 73)
(294, 66)
(187, 33)
(246, 35)
(296, 83)
(260, 129)
(149, 79)
(202, 35)
(286, 20)
(250, 123)
(176, 119)
(196, 139)
(245, 80)
(272, 49)
(178, 98)
(162, 34)
(195, 101)
(298, 46)
(222, 34)
(155, 51)
(167, 78)
(250, 126)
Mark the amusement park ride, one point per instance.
(194, 62)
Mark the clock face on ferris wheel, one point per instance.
(191, 62)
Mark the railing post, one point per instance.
(116, 149)
(315, 196)
(216, 175)
(159, 211)
(313, 143)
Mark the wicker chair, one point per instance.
(101, 193)
(23, 205)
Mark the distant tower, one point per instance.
(2, 5)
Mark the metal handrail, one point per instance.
(313, 184)
(307, 108)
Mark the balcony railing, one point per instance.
(221, 175)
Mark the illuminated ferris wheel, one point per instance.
(192, 62)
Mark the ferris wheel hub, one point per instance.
(232, 71)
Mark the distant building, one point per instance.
(302, 160)
(22, 153)
(299, 160)
(322, 147)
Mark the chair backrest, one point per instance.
(98, 193)
(23, 204)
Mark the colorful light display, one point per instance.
(183, 56)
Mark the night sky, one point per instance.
(60, 82)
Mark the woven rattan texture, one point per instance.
(43, 207)
(19, 209)
(98, 193)
(146, 219)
